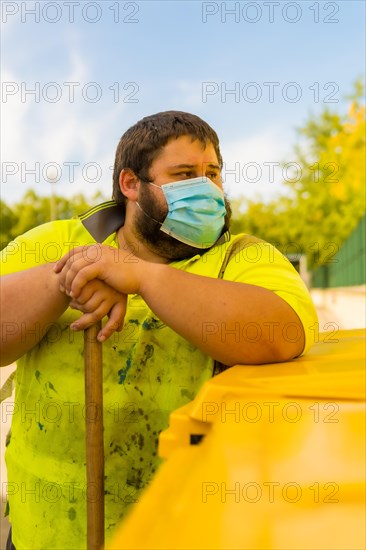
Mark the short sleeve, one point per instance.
(46, 243)
(261, 264)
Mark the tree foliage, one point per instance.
(33, 210)
(316, 215)
(325, 204)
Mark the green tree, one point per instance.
(330, 196)
(33, 210)
(325, 204)
(7, 222)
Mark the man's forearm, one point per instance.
(29, 299)
(232, 322)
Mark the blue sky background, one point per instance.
(158, 56)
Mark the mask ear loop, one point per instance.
(236, 246)
(148, 215)
(140, 207)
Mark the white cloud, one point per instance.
(35, 134)
(252, 165)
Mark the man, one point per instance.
(184, 299)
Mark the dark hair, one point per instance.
(141, 144)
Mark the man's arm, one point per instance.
(30, 300)
(232, 322)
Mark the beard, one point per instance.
(149, 232)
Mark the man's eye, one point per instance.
(187, 174)
(212, 175)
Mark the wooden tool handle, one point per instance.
(94, 437)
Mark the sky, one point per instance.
(77, 74)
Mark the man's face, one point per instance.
(180, 159)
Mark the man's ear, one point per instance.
(129, 184)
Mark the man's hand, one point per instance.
(119, 269)
(95, 301)
(98, 279)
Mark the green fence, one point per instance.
(349, 266)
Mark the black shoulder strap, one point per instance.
(238, 244)
(243, 241)
(103, 220)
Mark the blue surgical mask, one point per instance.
(196, 211)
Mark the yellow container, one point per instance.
(279, 463)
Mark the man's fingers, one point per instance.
(75, 261)
(86, 321)
(88, 292)
(99, 310)
(69, 256)
(95, 303)
(89, 254)
(114, 323)
(76, 279)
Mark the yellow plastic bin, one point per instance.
(265, 457)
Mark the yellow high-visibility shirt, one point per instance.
(148, 370)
